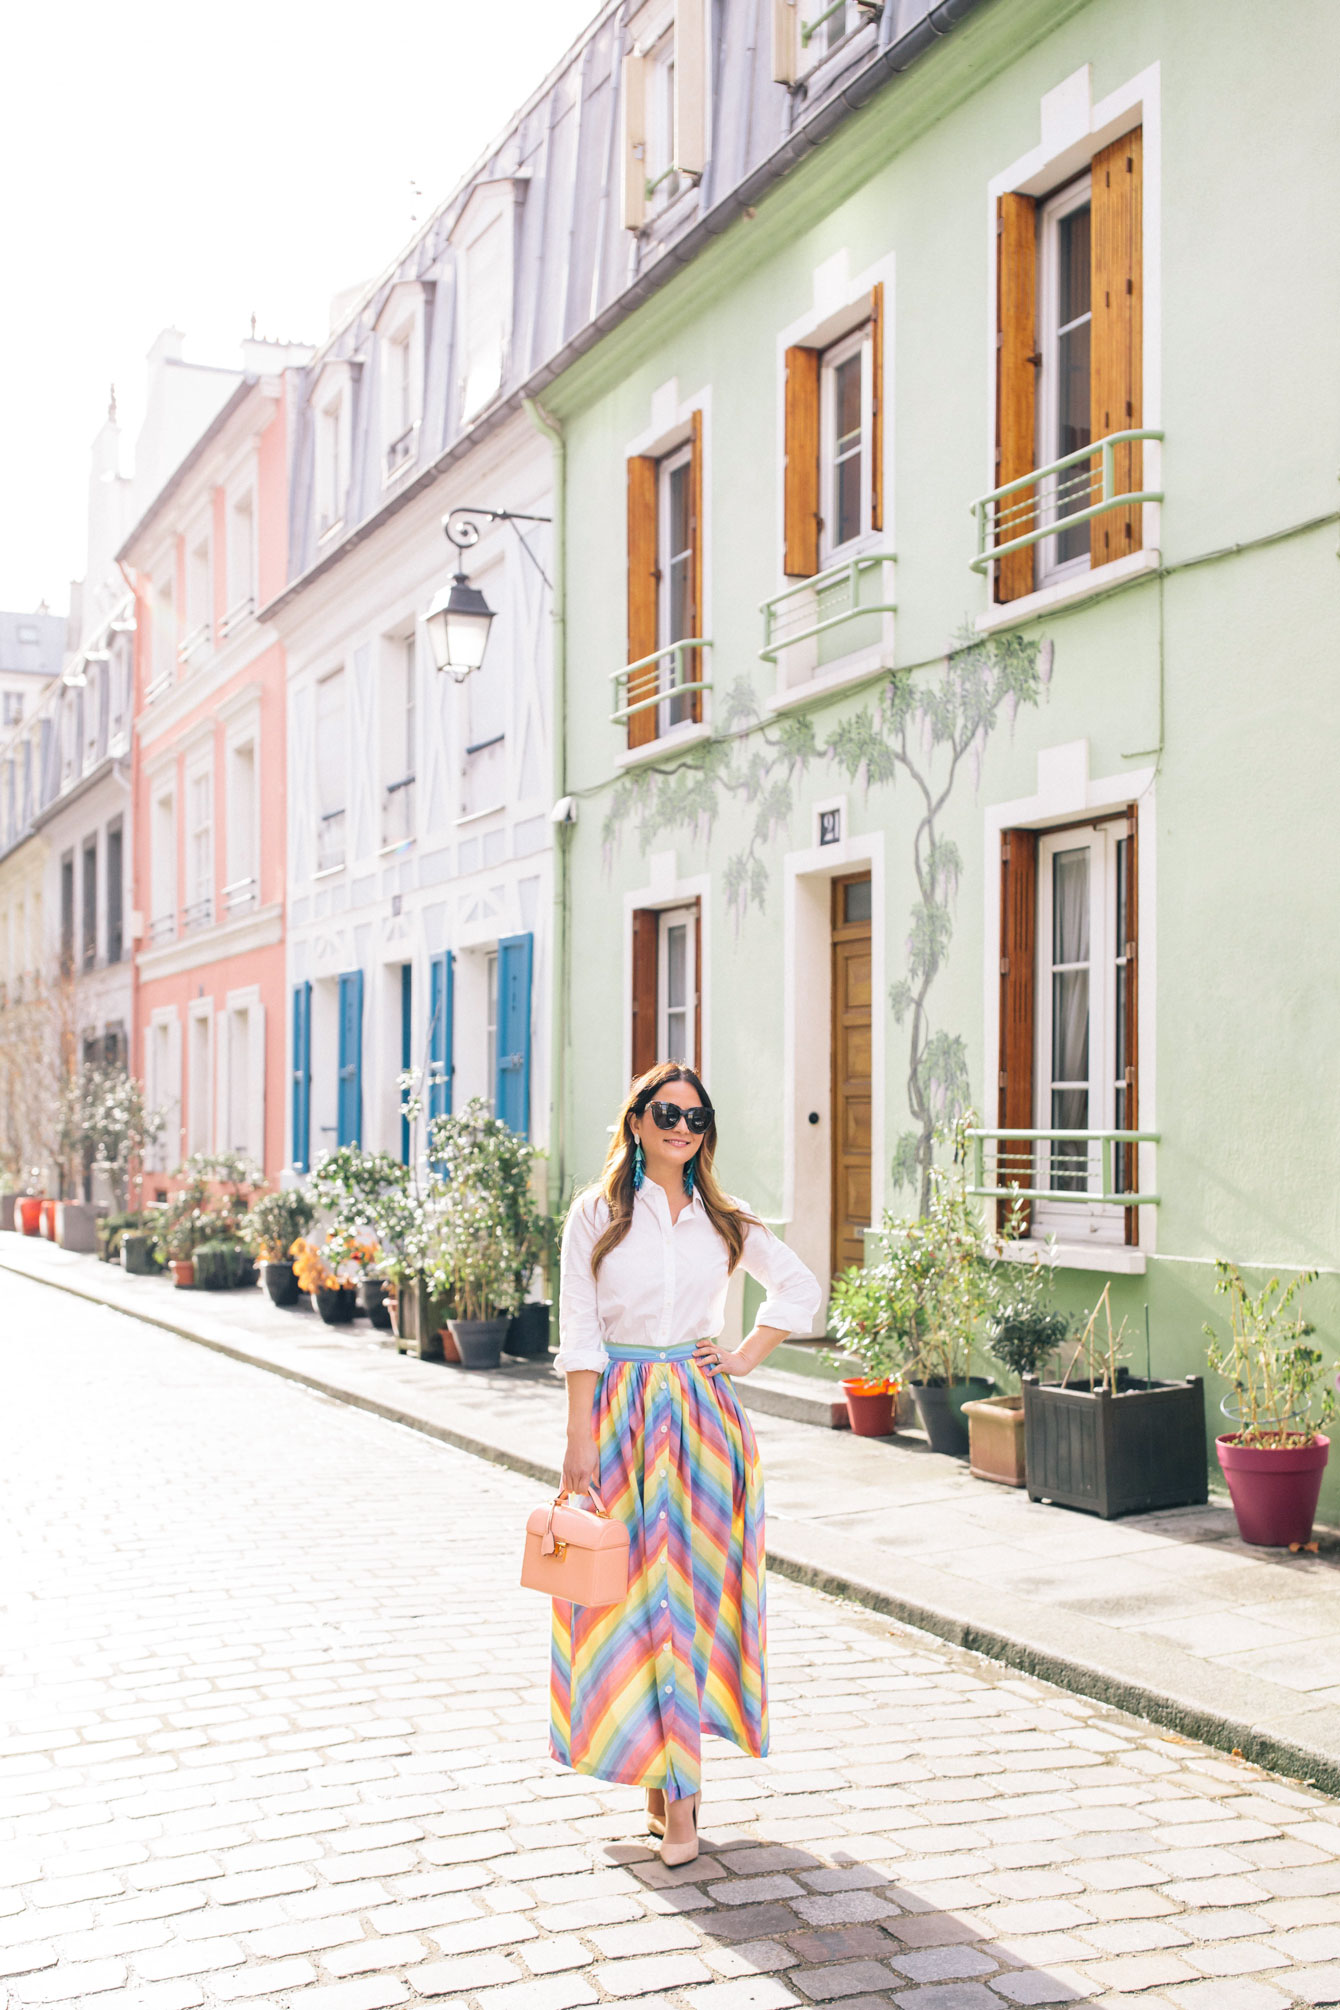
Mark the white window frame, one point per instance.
(668, 918)
(398, 725)
(1075, 195)
(400, 337)
(1072, 1220)
(491, 1030)
(163, 819)
(660, 84)
(198, 637)
(242, 581)
(666, 468)
(242, 1015)
(200, 857)
(856, 344)
(242, 830)
(162, 1070)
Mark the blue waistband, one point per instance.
(653, 1355)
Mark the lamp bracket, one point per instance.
(462, 527)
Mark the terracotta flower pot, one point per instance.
(870, 1407)
(49, 1220)
(996, 1439)
(446, 1340)
(183, 1272)
(30, 1214)
(1274, 1489)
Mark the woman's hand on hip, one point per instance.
(714, 1360)
(581, 1462)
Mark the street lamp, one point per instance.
(459, 620)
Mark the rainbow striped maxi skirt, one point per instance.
(634, 1686)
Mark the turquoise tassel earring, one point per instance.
(639, 1167)
(688, 1176)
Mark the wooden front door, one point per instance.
(851, 1069)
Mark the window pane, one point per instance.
(1074, 263)
(1070, 1026)
(676, 957)
(1072, 374)
(856, 900)
(847, 450)
(1070, 900)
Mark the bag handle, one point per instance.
(548, 1542)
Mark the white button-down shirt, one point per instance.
(665, 1284)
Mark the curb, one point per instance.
(1294, 1758)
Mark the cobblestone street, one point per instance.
(273, 1732)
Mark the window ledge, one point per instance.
(329, 871)
(1116, 1257)
(858, 668)
(668, 744)
(1080, 587)
(477, 816)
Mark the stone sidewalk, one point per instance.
(273, 1733)
(1168, 1615)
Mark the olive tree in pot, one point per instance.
(369, 1196)
(488, 1235)
(1274, 1460)
(270, 1228)
(864, 1320)
(1023, 1329)
(936, 1270)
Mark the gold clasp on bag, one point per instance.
(560, 1550)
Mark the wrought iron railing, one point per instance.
(402, 448)
(1085, 1168)
(815, 606)
(241, 895)
(194, 644)
(235, 616)
(1058, 497)
(671, 683)
(330, 841)
(398, 813)
(200, 914)
(163, 928)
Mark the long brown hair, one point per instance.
(615, 1184)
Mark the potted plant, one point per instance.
(1274, 1460)
(1024, 1328)
(488, 1235)
(140, 1252)
(863, 1318)
(270, 1227)
(330, 1273)
(367, 1195)
(223, 1263)
(937, 1270)
(181, 1223)
(1107, 1441)
(30, 1204)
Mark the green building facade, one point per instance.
(877, 821)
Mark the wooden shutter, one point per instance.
(1117, 334)
(302, 1077)
(349, 1109)
(1132, 947)
(877, 406)
(785, 41)
(633, 184)
(1018, 964)
(642, 584)
(1016, 381)
(512, 1093)
(646, 935)
(693, 657)
(441, 1037)
(691, 47)
(800, 505)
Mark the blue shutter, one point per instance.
(406, 1044)
(512, 1091)
(350, 1112)
(302, 1077)
(441, 1033)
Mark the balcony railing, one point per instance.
(397, 813)
(402, 448)
(235, 616)
(330, 841)
(1084, 1168)
(1058, 497)
(193, 645)
(241, 895)
(829, 600)
(673, 688)
(200, 914)
(163, 928)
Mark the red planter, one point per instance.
(870, 1407)
(30, 1215)
(49, 1220)
(1274, 1491)
(183, 1273)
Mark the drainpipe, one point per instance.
(552, 431)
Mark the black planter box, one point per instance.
(528, 1333)
(1112, 1454)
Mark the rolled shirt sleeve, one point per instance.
(580, 1340)
(793, 1292)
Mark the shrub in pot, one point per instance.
(270, 1227)
(140, 1253)
(1024, 1329)
(1109, 1442)
(223, 1264)
(863, 1319)
(180, 1224)
(487, 1236)
(330, 1273)
(1274, 1460)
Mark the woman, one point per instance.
(653, 1421)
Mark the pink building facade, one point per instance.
(208, 780)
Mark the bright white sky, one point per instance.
(164, 164)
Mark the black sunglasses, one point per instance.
(665, 1116)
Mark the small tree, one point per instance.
(1274, 1370)
(105, 1121)
(938, 1272)
(480, 1154)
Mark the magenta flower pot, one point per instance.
(1274, 1491)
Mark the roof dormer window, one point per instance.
(400, 339)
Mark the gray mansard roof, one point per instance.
(577, 270)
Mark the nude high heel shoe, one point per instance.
(656, 1811)
(683, 1852)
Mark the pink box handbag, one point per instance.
(575, 1555)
